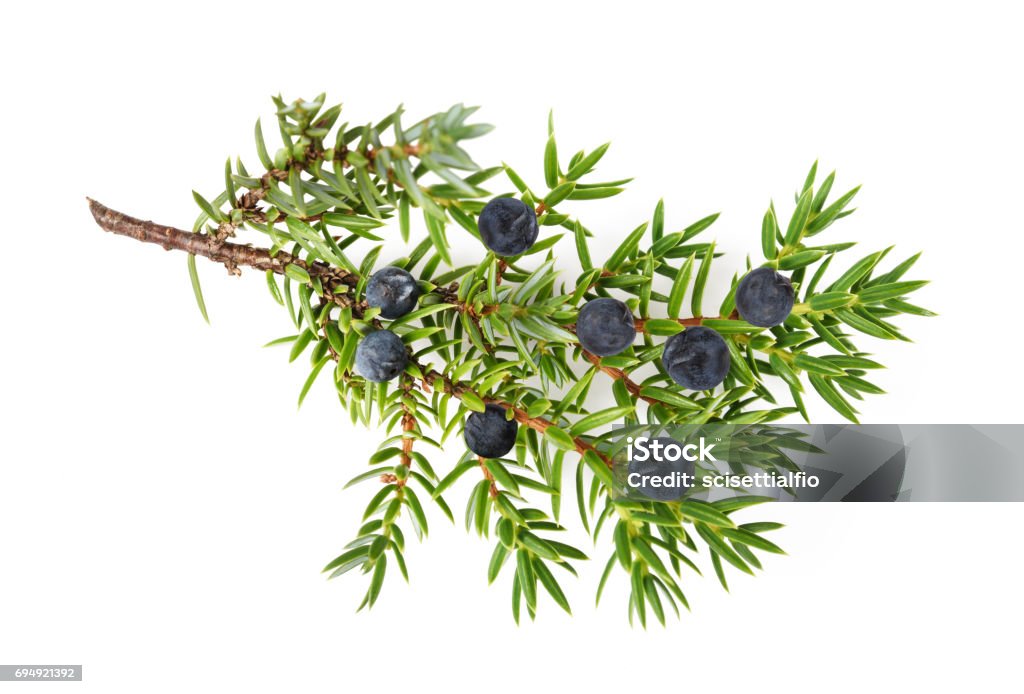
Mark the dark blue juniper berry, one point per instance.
(508, 226)
(381, 356)
(764, 297)
(605, 327)
(696, 358)
(661, 465)
(489, 434)
(393, 290)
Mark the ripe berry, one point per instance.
(489, 434)
(764, 297)
(393, 290)
(381, 356)
(696, 358)
(508, 226)
(605, 327)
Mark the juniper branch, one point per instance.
(232, 255)
(507, 334)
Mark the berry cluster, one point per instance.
(696, 358)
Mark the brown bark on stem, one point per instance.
(232, 255)
(619, 375)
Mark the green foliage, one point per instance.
(501, 331)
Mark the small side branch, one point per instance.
(232, 255)
(493, 490)
(439, 381)
(619, 375)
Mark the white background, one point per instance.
(165, 511)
